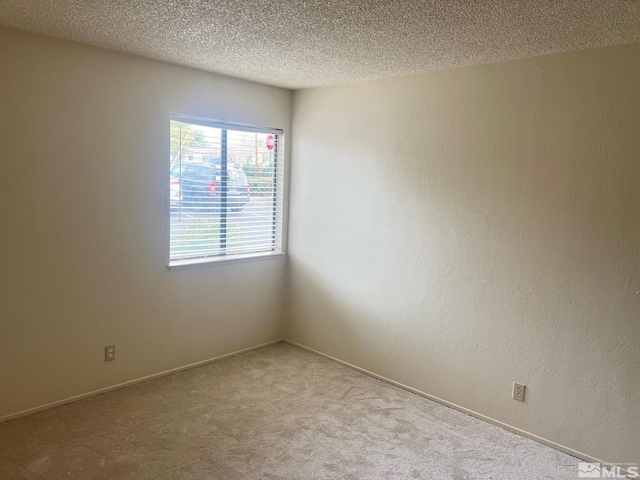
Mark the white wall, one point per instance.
(460, 230)
(84, 223)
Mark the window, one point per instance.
(225, 191)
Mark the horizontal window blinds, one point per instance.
(225, 192)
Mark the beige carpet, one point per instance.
(276, 413)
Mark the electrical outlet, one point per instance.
(109, 353)
(518, 391)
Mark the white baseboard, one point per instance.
(518, 431)
(493, 421)
(76, 398)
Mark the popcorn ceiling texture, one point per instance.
(297, 44)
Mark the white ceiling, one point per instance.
(307, 43)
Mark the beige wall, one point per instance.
(84, 223)
(460, 230)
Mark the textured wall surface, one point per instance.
(84, 220)
(460, 230)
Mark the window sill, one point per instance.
(208, 262)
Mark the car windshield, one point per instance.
(181, 170)
(236, 174)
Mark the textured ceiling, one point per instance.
(307, 43)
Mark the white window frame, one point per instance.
(280, 206)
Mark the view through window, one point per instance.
(225, 190)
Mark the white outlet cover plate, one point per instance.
(518, 391)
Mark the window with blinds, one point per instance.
(225, 191)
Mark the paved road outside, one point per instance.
(250, 228)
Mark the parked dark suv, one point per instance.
(198, 186)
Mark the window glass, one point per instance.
(225, 191)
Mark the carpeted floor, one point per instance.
(276, 413)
